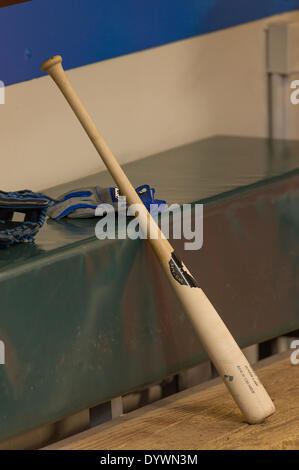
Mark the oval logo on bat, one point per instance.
(180, 273)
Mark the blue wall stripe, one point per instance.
(86, 31)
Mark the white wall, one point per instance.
(143, 103)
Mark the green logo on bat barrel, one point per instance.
(230, 378)
(180, 273)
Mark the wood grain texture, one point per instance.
(204, 418)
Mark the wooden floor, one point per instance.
(204, 417)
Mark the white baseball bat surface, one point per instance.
(230, 362)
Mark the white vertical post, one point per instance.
(2, 92)
(278, 97)
(282, 62)
(2, 353)
(116, 407)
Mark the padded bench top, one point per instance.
(197, 172)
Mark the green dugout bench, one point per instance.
(85, 320)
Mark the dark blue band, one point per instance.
(89, 31)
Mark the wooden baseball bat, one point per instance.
(230, 362)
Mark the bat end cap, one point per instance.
(57, 59)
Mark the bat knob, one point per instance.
(57, 59)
